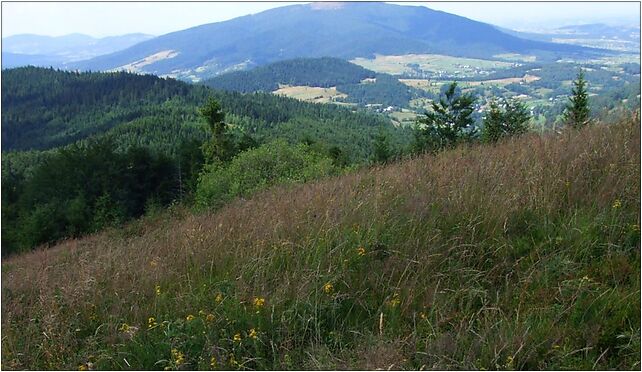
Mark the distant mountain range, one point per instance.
(28, 49)
(317, 30)
(621, 38)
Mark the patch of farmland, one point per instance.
(310, 94)
(526, 79)
(424, 84)
(433, 63)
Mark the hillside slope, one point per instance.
(315, 30)
(524, 255)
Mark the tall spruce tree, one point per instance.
(507, 119)
(382, 152)
(449, 122)
(221, 146)
(577, 111)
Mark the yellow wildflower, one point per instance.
(233, 360)
(237, 337)
(219, 298)
(82, 367)
(158, 290)
(259, 302)
(328, 288)
(210, 317)
(617, 204)
(423, 315)
(252, 334)
(124, 327)
(361, 251)
(189, 318)
(395, 301)
(213, 362)
(178, 357)
(151, 322)
(509, 362)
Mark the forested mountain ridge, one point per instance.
(317, 72)
(45, 108)
(344, 30)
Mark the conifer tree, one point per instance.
(221, 146)
(449, 122)
(577, 111)
(508, 119)
(382, 151)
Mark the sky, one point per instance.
(101, 19)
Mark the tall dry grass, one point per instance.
(522, 255)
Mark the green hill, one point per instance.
(523, 255)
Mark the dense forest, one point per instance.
(386, 90)
(137, 110)
(45, 108)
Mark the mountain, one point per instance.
(597, 35)
(29, 49)
(11, 60)
(319, 30)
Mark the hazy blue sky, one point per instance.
(104, 19)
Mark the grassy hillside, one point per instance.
(524, 255)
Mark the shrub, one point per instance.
(256, 169)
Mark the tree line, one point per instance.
(450, 121)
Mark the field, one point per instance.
(516, 57)
(521, 255)
(525, 79)
(310, 94)
(138, 65)
(403, 117)
(398, 65)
